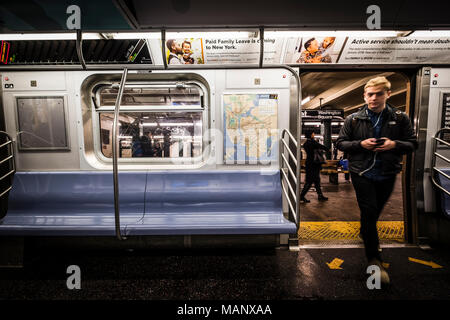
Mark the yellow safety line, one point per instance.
(348, 230)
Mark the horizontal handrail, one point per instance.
(6, 159)
(442, 157)
(9, 173)
(290, 152)
(290, 136)
(442, 141)
(5, 144)
(442, 172)
(433, 160)
(289, 184)
(289, 202)
(1, 194)
(289, 168)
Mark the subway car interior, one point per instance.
(168, 126)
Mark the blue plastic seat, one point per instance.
(151, 203)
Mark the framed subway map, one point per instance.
(250, 128)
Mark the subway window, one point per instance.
(41, 123)
(156, 123)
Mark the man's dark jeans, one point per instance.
(372, 196)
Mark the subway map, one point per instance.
(250, 128)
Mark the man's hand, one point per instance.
(369, 144)
(387, 145)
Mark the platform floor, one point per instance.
(348, 230)
(342, 205)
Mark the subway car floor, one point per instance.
(321, 272)
(317, 274)
(337, 220)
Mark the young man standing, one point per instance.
(375, 138)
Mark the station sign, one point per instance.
(323, 114)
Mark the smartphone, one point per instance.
(380, 142)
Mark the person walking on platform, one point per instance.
(375, 138)
(313, 165)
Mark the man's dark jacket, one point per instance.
(358, 127)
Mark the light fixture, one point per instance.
(133, 35)
(85, 36)
(212, 34)
(307, 99)
(167, 124)
(39, 36)
(430, 33)
(332, 33)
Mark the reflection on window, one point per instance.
(156, 96)
(154, 134)
(42, 124)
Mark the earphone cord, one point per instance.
(375, 156)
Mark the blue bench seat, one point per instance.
(151, 203)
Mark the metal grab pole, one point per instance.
(114, 149)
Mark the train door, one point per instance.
(6, 155)
(433, 156)
(328, 98)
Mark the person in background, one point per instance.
(312, 167)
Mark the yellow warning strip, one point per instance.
(348, 230)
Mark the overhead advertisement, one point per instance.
(221, 51)
(313, 50)
(396, 50)
(304, 50)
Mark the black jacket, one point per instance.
(358, 127)
(310, 145)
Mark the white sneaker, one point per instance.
(384, 276)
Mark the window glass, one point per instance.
(42, 123)
(150, 96)
(154, 134)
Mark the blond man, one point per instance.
(375, 139)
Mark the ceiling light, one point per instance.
(307, 99)
(38, 36)
(340, 33)
(212, 34)
(430, 33)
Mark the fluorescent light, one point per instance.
(38, 36)
(86, 36)
(167, 124)
(212, 34)
(133, 35)
(307, 99)
(340, 33)
(430, 33)
(311, 123)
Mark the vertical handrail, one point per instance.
(433, 159)
(115, 156)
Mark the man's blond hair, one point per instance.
(378, 81)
